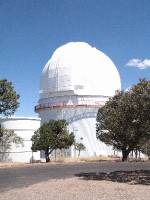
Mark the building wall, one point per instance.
(82, 121)
(23, 127)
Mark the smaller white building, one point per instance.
(25, 128)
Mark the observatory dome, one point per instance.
(80, 69)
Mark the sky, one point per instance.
(31, 30)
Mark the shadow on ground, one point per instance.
(133, 177)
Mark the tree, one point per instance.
(125, 119)
(52, 135)
(8, 98)
(80, 147)
(7, 138)
(145, 148)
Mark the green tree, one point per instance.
(8, 98)
(80, 147)
(7, 138)
(52, 135)
(125, 119)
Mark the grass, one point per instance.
(9, 164)
(87, 159)
(71, 160)
(62, 160)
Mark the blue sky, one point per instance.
(31, 30)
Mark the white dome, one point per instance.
(80, 68)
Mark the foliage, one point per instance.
(7, 137)
(52, 135)
(8, 98)
(80, 147)
(125, 119)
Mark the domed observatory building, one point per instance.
(75, 83)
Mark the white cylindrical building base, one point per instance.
(81, 116)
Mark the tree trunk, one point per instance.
(47, 155)
(78, 153)
(125, 154)
(139, 154)
(136, 153)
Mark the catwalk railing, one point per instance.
(96, 104)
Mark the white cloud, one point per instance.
(139, 63)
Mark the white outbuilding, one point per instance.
(23, 127)
(76, 81)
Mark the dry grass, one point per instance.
(71, 160)
(9, 164)
(88, 159)
(62, 160)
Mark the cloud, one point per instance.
(139, 63)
